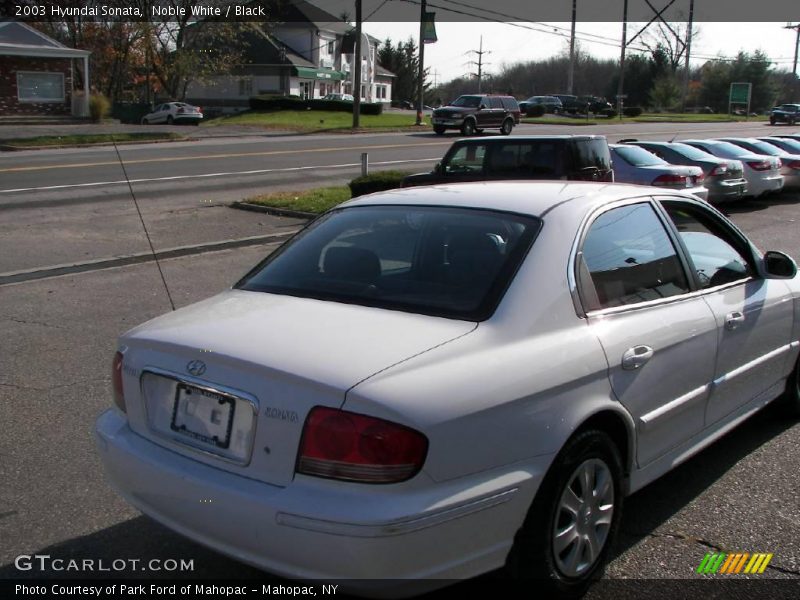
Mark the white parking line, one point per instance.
(222, 174)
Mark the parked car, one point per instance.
(723, 176)
(762, 173)
(578, 157)
(473, 113)
(785, 113)
(551, 104)
(790, 145)
(339, 97)
(633, 164)
(174, 112)
(790, 161)
(583, 104)
(791, 136)
(428, 384)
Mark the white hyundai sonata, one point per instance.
(435, 382)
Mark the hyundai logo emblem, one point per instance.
(196, 367)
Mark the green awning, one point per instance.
(323, 74)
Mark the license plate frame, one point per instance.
(184, 421)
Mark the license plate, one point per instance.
(203, 415)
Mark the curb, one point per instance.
(271, 210)
(11, 148)
(142, 257)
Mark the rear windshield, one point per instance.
(692, 152)
(765, 148)
(449, 262)
(732, 149)
(467, 101)
(638, 157)
(791, 146)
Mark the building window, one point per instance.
(246, 87)
(40, 86)
(331, 48)
(381, 92)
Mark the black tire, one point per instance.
(170, 120)
(468, 127)
(479, 131)
(791, 121)
(790, 400)
(438, 130)
(533, 555)
(772, 120)
(507, 127)
(145, 121)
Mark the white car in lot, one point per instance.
(790, 161)
(763, 173)
(174, 112)
(431, 383)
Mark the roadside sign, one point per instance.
(740, 93)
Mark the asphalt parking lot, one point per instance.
(58, 338)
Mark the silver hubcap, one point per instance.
(583, 518)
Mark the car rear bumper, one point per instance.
(446, 530)
(731, 189)
(758, 186)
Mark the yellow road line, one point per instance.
(218, 156)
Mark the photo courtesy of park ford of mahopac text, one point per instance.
(138, 141)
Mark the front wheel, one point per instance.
(170, 120)
(772, 120)
(566, 536)
(506, 127)
(791, 122)
(438, 129)
(468, 127)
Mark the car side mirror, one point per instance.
(438, 168)
(482, 107)
(778, 265)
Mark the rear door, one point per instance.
(754, 316)
(465, 162)
(660, 340)
(496, 111)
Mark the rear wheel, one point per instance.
(145, 121)
(571, 525)
(468, 127)
(438, 129)
(791, 121)
(170, 120)
(772, 120)
(507, 126)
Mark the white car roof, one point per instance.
(524, 197)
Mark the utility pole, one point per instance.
(796, 45)
(571, 72)
(480, 52)
(421, 71)
(624, 44)
(688, 51)
(356, 66)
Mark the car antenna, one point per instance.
(141, 220)
(674, 136)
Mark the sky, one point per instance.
(509, 43)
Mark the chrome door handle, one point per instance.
(733, 319)
(636, 357)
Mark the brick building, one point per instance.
(38, 74)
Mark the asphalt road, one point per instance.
(58, 337)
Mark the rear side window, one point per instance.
(627, 258)
(592, 153)
(495, 102)
(530, 160)
(509, 103)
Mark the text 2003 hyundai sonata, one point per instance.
(436, 382)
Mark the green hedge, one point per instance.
(275, 103)
(376, 182)
(632, 111)
(609, 112)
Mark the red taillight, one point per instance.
(795, 164)
(116, 379)
(700, 178)
(342, 445)
(759, 165)
(670, 179)
(180, 111)
(718, 170)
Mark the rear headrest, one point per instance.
(353, 264)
